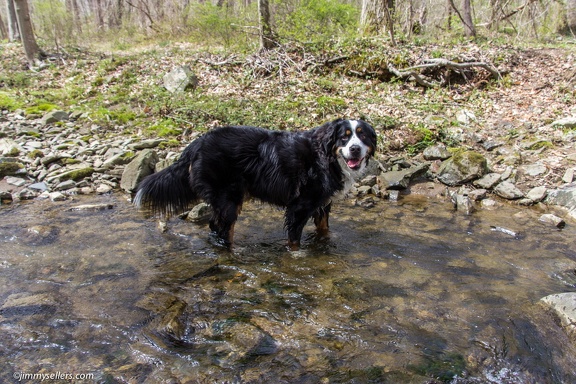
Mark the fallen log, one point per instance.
(414, 73)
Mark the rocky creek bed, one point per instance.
(59, 157)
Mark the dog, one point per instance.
(299, 171)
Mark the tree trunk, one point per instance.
(3, 31)
(13, 30)
(72, 8)
(33, 52)
(571, 16)
(466, 17)
(469, 28)
(98, 13)
(266, 35)
(376, 17)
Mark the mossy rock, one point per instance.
(77, 174)
(10, 168)
(70, 161)
(462, 167)
(35, 154)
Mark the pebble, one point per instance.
(57, 196)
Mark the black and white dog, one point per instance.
(300, 171)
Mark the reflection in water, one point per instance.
(401, 292)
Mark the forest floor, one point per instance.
(299, 87)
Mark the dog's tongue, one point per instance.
(353, 163)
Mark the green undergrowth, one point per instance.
(301, 86)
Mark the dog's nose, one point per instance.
(355, 150)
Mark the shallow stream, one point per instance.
(401, 293)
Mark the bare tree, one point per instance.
(571, 16)
(33, 52)
(466, 17)
(3, 31)
(376, 17)
(266, 34)
(73, 8)
(13, 30)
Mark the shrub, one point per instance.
(316, 21)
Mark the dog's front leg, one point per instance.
(296, 218)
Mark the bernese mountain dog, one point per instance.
(300, 171)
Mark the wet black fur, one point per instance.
(298, 171)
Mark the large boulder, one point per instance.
(142, 165)
(180, 79)
(462, 167)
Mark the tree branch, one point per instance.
(411, 72)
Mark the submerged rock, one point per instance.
(551, 219)
(25, 304)
(200, 213)
(564, 306)
(462, 203)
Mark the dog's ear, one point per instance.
(327, 135)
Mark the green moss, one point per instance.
(165, 128)
(13, 152)
(540, 144)
(466, 159)
(128, 155)
(172, 143)
(424, 138)
(10, 168)
(35, 154)
(329, 104)
(9, 103)
(69, 161)
(77, 174)
(106, 116)
(40, 109)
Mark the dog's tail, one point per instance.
(168, 191)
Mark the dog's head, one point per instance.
(351, 141)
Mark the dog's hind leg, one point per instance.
(223, 220)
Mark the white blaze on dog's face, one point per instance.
(356, 144)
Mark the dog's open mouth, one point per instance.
(354, 164)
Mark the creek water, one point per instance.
(402, 292)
